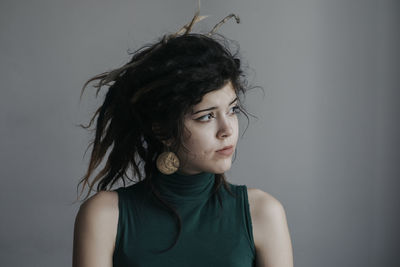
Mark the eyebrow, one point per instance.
(211, 108)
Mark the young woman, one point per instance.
(170, 116)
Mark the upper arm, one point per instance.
(95, 230)
(270, 230)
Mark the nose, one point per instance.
(224, 127)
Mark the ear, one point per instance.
(158, 133)
(167, 143)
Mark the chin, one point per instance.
(221, 168)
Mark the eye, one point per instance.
(206, 118)
(236, 109)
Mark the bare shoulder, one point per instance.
(95, 230)
(100, 210)
(262, 203)
(270, 229)
(102, 201)
(264, 209)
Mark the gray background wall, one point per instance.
(325, 144)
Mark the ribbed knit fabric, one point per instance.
(210, 235)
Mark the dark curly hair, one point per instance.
(146, 102)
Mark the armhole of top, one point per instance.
(247, 218)
(119, 225)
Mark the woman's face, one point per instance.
(213, 125)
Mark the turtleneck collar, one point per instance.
(178, 187)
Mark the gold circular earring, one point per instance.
(167, 162)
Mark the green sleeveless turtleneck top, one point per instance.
(210, 235)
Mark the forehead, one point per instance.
(221, 96)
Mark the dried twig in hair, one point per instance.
(106, 78)
(222, 22)
(188, 27)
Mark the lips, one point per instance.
(226, 151)
(225, 148)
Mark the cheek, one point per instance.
(236, 128)
(200, 144)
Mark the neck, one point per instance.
(179, 187)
